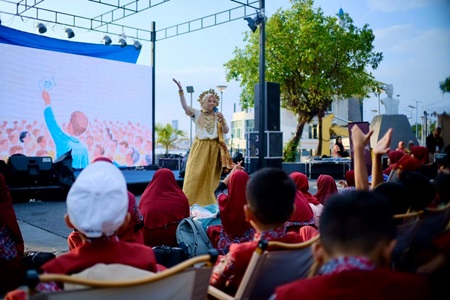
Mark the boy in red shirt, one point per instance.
(270, 202)
(97, 206)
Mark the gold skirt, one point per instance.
(203, 170)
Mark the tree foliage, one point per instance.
(167, 136)
(445, 85)
(315, 58)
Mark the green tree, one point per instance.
(315, 58)
(168, 137)
(445, 85)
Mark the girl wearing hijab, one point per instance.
(393, 158)
(234, 228)
(163, 205)
(326, 186)
(302, 183)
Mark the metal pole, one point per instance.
(153, 46)
(190, 128)
(221, 100)
(379, 104)
(262, 88)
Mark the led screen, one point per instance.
(52, 102)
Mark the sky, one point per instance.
(414, 36)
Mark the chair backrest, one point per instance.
(433, 223)
(273, 264)
(187, 280)
(406, 232)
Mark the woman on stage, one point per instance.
(207, 156)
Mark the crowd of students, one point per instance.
(356, 226)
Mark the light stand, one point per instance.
(221, 88)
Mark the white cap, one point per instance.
(97, 202)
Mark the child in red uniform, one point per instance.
(357, 236)
(97, 205)
(270, 203)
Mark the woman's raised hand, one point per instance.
(178, 83)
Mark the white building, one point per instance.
(344, 111)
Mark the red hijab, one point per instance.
(163, 202)
(303, 212)
(232, 205)
(421, 153)
(350, 178)
(394, 157)
(302, 183)
(325, 187)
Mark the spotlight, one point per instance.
(251, 23)
(122, 42)
(137, 45)
(254, 22)
(70, 33)
(41, 28)
(107, 40)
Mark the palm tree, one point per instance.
(168, 136)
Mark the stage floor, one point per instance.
(137, 180)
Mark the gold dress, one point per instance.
(203, 168)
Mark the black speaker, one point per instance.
(272, 109)
(29, 170)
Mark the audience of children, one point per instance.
(270, 202)
(357, 231)
(357, 235)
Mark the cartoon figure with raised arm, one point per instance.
(67, 141)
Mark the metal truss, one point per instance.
(107, 22)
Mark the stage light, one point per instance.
(122, 42)
(70, 33)
(251, 23)
(41, 28)
(137, 45)
(254, 22)
(107, 40)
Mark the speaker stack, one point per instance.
(273, 137)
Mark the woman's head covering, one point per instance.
(408, 163)
(302, 183)
(303, 213)
(163, 201)
(350, 178)
(234, 227)
(394, 156)
(232, 205)
(326, 186)
(421, 153)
